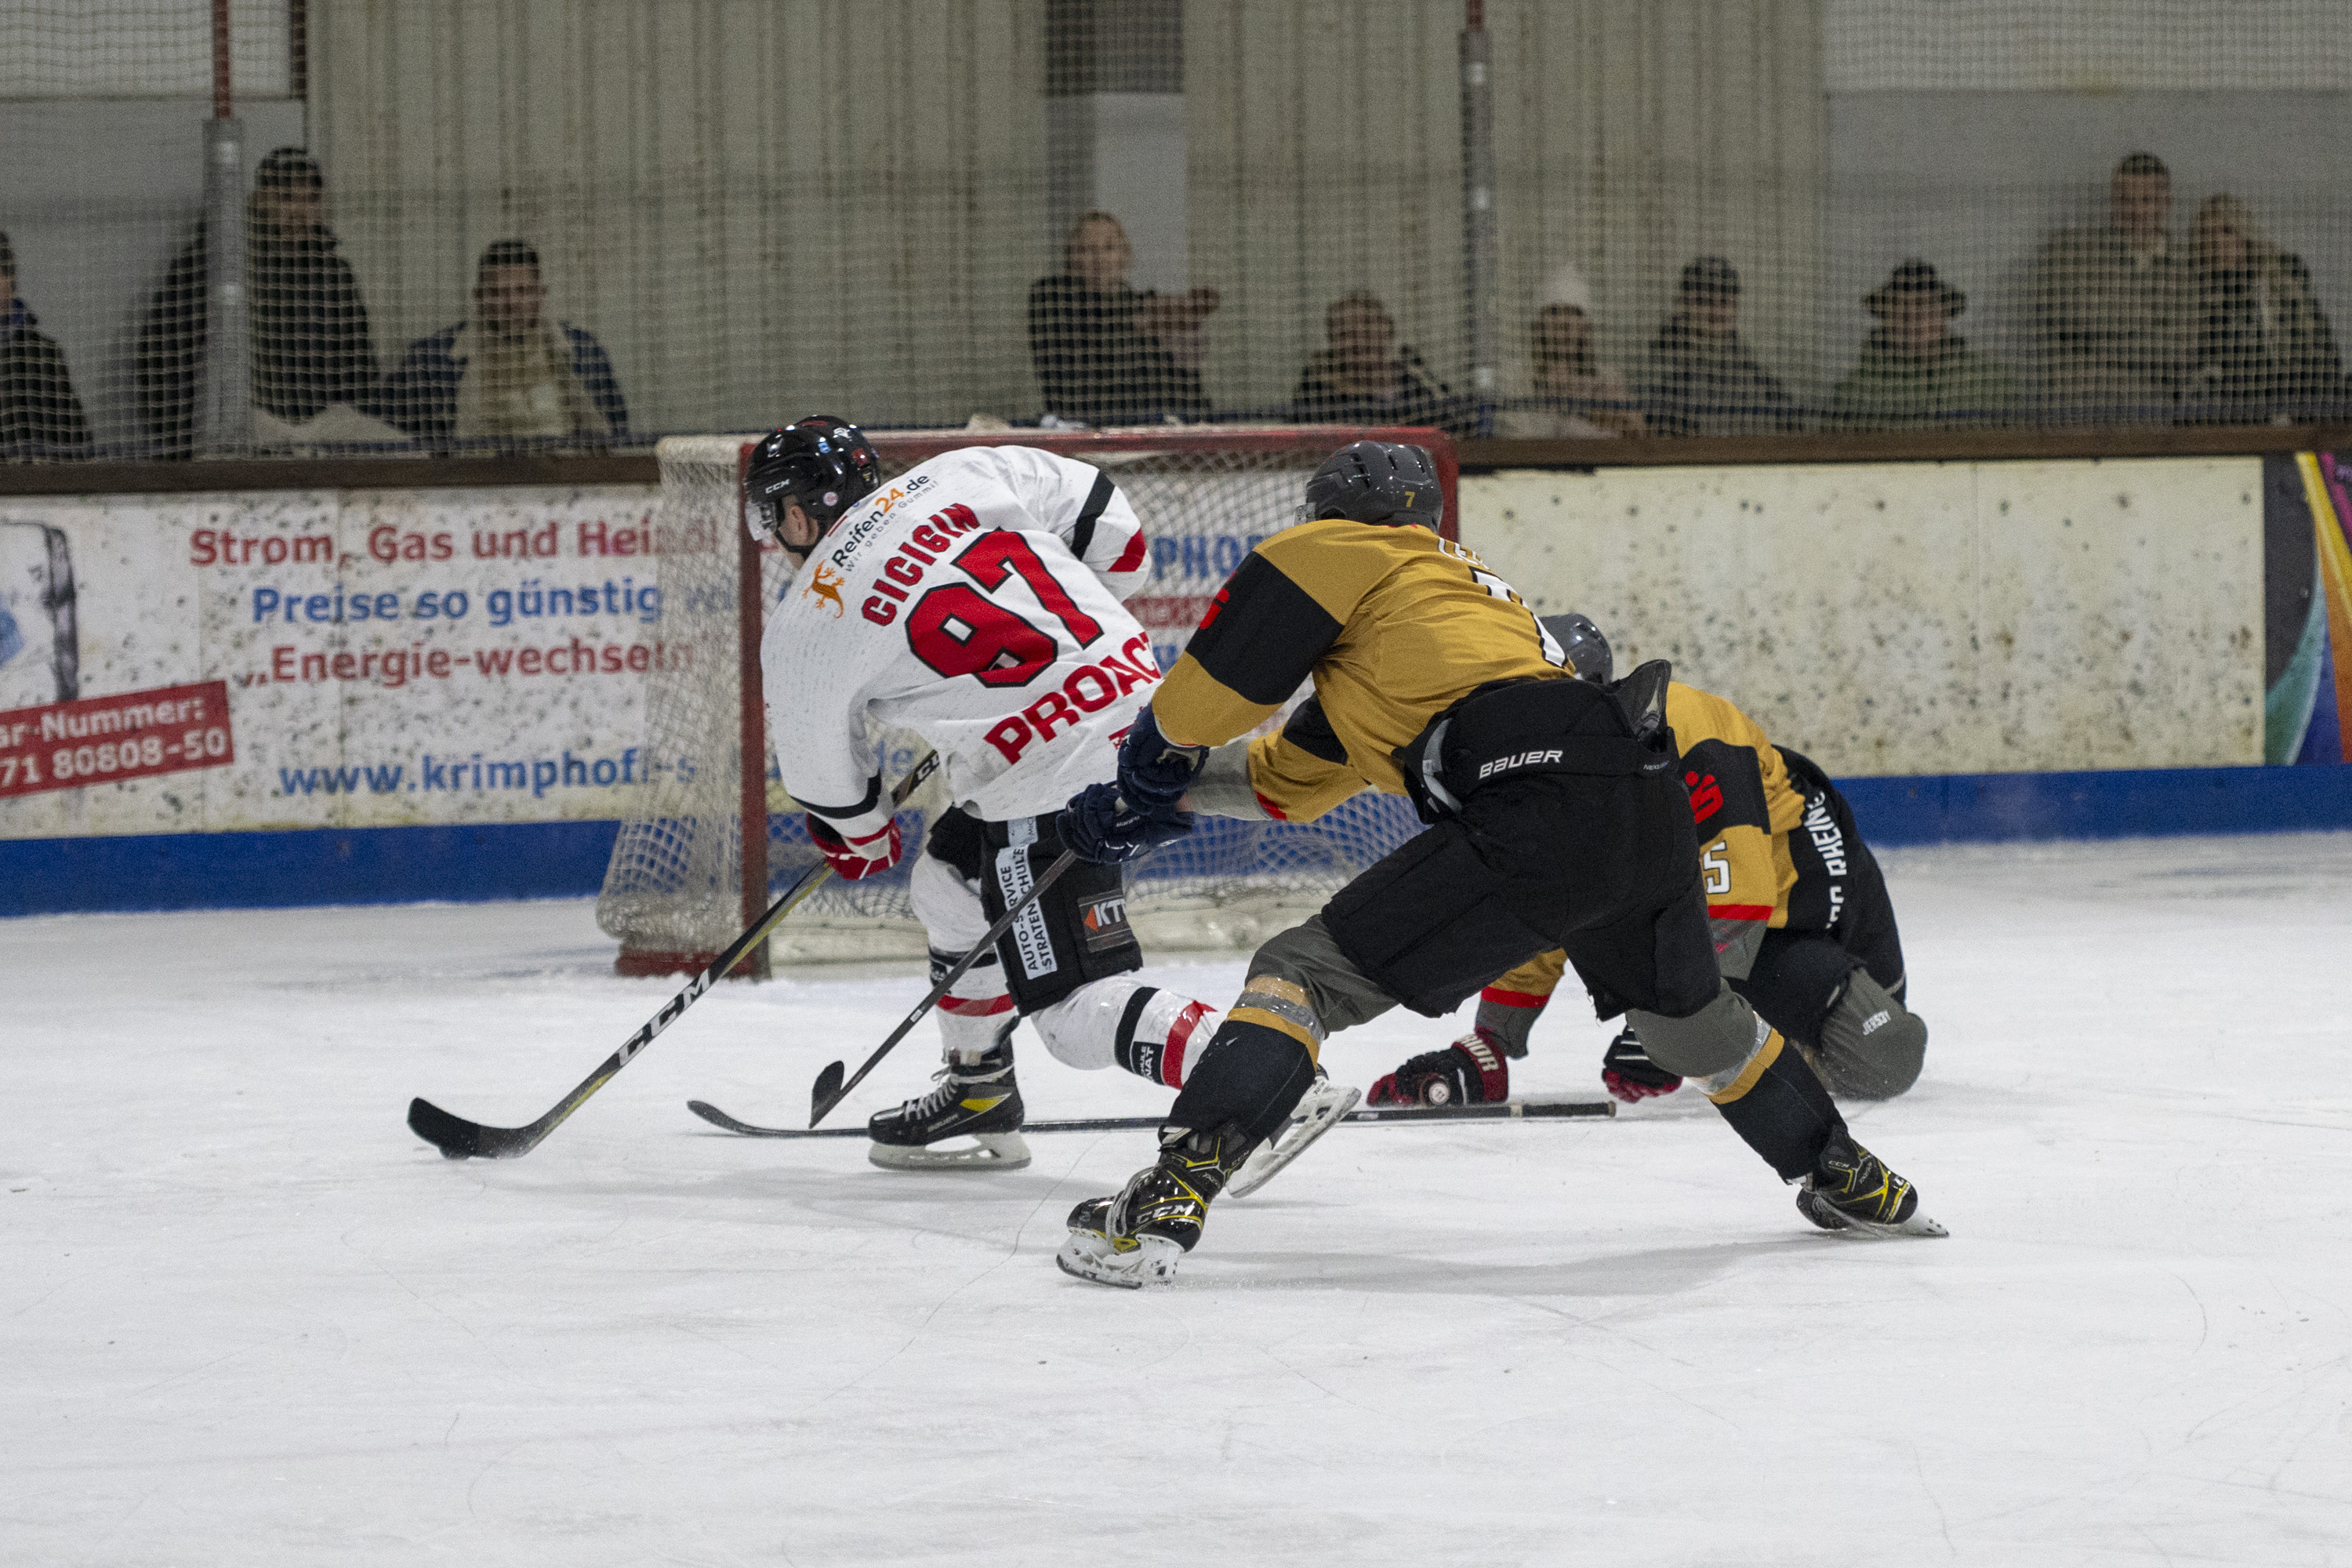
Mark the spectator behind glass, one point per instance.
(1913, 370)
(1570, 395)
(506, 374)
(1362, 376)
(2263, 346)
(39, 415)
(310, 346)
(1105, 354)
(2114, 305)
(1698, 377)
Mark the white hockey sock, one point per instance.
(971, 1011)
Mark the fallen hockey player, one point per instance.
(1558, 820)
(1803, 925)
(976, 600)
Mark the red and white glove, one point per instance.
(1471, 1071)
(853, 857)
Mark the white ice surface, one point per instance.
(248, 1320)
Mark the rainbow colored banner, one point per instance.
(2308, 706)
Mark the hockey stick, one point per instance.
(1382, 1115)
(829, 1090)
(458, 1139)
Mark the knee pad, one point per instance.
(1080, 1027)
(1871, 1047)
(1717, 1039)
(1336, 993)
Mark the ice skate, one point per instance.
(1851, 1189)
(1135, 1237)
(1319, 1110)
(979, 1101)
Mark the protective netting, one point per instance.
(675, 884)
(552, 223)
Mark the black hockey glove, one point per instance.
(1100, 825)
(1153, 770)
(1470, 1071)
(1629, 1073)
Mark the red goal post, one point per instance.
(711, 830)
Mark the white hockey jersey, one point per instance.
(976, 600)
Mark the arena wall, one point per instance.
(1922, 618)
(1996, 649)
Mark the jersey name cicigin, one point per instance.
(978, 600)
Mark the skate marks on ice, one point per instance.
(1633, 1272)
(253, 1320)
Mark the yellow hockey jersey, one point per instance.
(1393, 624)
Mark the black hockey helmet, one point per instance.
(1377, 481)
(1586, 648)
(826, 464)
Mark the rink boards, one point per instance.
(1978, 650)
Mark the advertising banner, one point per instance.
(327, 659)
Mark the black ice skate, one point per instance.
(980, 1102)
(1134, 1237)
(1851, 1189)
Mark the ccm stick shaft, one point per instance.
(1378, 1115)
(459, 1139)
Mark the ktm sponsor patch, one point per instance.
(1106, 922)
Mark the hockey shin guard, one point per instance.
(1251, 1073)
(1118, 1022)
(1161, 1034)
(1776, 1103)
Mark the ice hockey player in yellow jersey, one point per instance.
(1558, 819)
(1802, 924)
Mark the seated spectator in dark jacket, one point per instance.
(1700, 378)
(1104, 353)
(1913, 370)
(1362, 376)
(2114, 305)
(39, 415)
(309, 336)
(508, 373)
(2265, 349)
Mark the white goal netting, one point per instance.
(681, 885)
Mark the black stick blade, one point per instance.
(827, 1092)
(717, 1118)
(456, 1138)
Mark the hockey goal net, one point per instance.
(713, 837)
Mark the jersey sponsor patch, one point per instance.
(1727, 788)
(1106, 922)
(1031, 939)
(1088, 688)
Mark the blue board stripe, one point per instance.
(1983, 808)
(323, 866)
(567, 859)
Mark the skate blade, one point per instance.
(1838, 1223)
(1318, 1113)
(987, 1152)
(1128, 1263)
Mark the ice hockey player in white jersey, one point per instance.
(978, 600)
